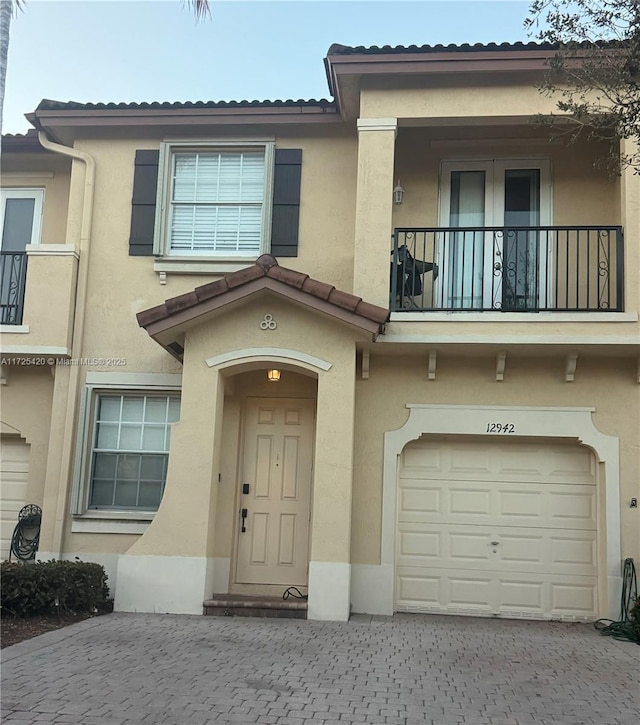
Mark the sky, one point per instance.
(153, 50)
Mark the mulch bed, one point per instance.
(14, 629)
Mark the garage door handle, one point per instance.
(495, 543)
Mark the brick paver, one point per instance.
(138, 669)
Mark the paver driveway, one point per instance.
(138, 669)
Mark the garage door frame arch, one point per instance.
(528, 422)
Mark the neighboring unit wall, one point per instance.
(26, 411)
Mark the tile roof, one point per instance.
(266, 273)
(22, 141)
(47, 104)
(338, 49)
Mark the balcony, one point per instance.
(38, 299)
(13, 277)
(498, 269)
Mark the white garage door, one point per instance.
(14, 472)
(500, 528)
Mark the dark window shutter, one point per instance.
(286, 203)
(143, 204)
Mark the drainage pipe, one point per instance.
(77, 336)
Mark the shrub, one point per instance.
(634, 622)
(47, 587)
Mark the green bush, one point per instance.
(634, 621)
(47, 587)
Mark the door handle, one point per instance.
(495, 543)
(244, 513)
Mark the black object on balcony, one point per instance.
(13, 276)
(523, 269)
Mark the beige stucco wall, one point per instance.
(42, 171)
(194, 502)
(608, 385)
(131, 285)
(26, 411)
(459, 96)
(581, 194)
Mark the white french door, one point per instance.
(505, 269)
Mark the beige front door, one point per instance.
(275, 492)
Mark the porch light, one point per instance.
(273, 376)
(398, 194)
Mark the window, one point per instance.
(19, 226)
(129, 450)
(215, 201)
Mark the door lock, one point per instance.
(244, 513)
(245, 488)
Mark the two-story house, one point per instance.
(383, 348)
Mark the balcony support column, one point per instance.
(630, 218)
(374, 208)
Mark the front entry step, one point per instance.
(241, 605)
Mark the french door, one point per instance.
(485, 268)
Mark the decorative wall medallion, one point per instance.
(268, 323)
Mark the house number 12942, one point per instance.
(501, 428)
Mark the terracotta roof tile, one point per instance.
(317, 289)
(243, 276)
(181, 302)
(211, 289)
(267, 267)
(373, 312)
(344, 299)
(288, 276)
(153, 314)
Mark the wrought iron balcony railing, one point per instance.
(523, 269)
(13, 276)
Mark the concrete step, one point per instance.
(241, 605)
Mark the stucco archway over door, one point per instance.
(529, 423)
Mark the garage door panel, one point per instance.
(575, 551)
(420, 500)
(516, 504)
(485, 594)
(14, 474)
(475, 501)
(572, 463)
(568, 598)
(420, 546)
(419, 588)
(466, 547)
(497, 527)
(577, 506)
(470, 589)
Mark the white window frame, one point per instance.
(495, 169)
(140, 384)
(163, 200)
(25, 193)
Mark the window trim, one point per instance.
(17, 192)
(102, 384)
(163, 198)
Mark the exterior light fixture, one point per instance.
(398, 194)
(273, 376)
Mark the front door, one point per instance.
(275, 492)
(503, 269)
